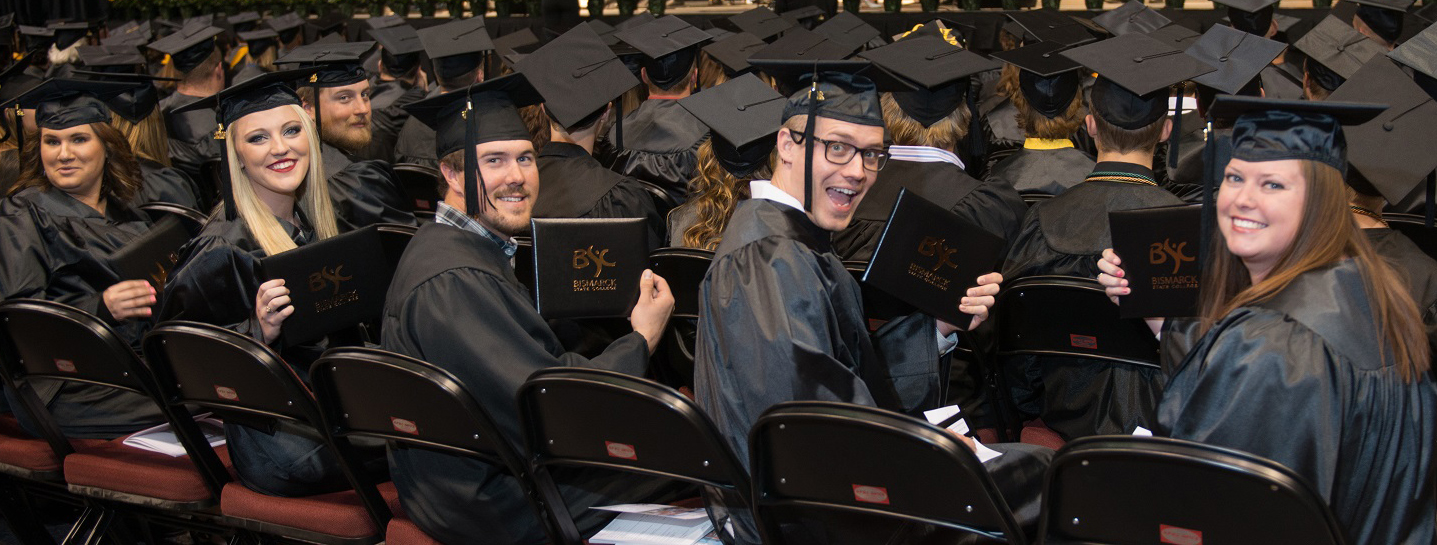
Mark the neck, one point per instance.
(1143, 158)
(1257, 275)
(584, 138)
(91, 198)
(202, 91)
(279, 204)
(671, 94)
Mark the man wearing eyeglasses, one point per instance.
(780, 318)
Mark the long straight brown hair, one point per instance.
(1326, 236)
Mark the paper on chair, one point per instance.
(649, 524)
(162, 439)
(937, 416)
(1141, 431)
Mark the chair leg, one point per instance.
(103, 520)
(83, 525)
(19, 513)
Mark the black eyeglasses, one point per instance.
(840, 153)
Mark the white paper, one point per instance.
(648, 524)
(937, 416)
(1141, 431)
(162, 439)
(984, 453)
(658, 510)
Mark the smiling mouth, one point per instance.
(512, 198)
(841, 197)
(67, 170)
(1247, 224)
(283, 166)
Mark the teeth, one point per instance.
(844, 191)
(511, 199)
(1247, 224)
(282, 165)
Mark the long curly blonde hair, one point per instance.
(715, 194)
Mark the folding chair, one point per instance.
(220, 370)
(421, 185)
(1032, 198)
(598, 418)
(365, 392)
(48, 340)
(878, 306)
(663, 200)
(1069, 316)
(684, 270)
(1122, 489)
(192, 218)
(1415, 227)
(825, 461)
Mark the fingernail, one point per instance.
(1120, 273)
(648, 274)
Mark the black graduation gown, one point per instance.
(780, 319)
(215, 282)
(574, 185)
(363, 192)
(1277, 83)
(1000, 126)
(57, 248)
(1066, 235)
(247, 72)
(492, 343)
(995, 207)
(9, 169)
(415, 142)
(1419, 269)
(1190, 145)
(1043, 171)
(191, 135)
(1305, 379)
(661, 142)
(166, 184)
(388, 117)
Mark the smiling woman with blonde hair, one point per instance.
(275, 200)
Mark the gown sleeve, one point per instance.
(215, 283)
(365, 193)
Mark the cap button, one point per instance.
(1222, 59)
(1137, 59)
(1387, 126)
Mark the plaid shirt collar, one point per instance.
(448, 215)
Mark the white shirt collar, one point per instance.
(764, 189)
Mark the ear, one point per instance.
(1167, 129)
(1091, 126)
(786, 146)
(644, 75)
(454, 179)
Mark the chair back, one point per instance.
(1415, 228)
(193, 219)
(1031, 198)
(684, 270)
(1121, 489)
(664, 201)
(879, 307)
(365, 392)
(1069, 316)
(420, 184)
(812, 457)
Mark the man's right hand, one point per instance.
(651, 315)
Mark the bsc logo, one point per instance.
(935, 247)
(326, 276)
(585, 256)
(1160, 252)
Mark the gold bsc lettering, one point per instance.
(326, 276)
(583, 257)
(1160, 252)
(935, 247)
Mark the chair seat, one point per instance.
(18, 449)
(116, 467)
(402, 531)
(339, 514)
(1037, 433)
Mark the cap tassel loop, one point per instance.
(20, 128)
(1209, 179)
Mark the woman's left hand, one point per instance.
(271, 305)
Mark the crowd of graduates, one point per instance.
(779, 144)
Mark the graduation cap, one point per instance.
(111, 58)
(1131, 17)
(132, 33)
(260, 93)
(1051, 26)
(1175, 35)
(1274, 130)
(484, 112)
(522, 39)
(604, 30)
(1238, 56)
(761, 22)
(1384, 17)
(330, 23)
(7, 28)
(189, 46)
(1420, 54)
(733, 52)
(13, 83)
(456, 47)
(743, 113)
(576, 75)
(37, 37)
(848, 30)
(637, 20)
(259, 41)
(1390, 150)
(1136, 72)
(337, 65)
(1251, 16)
(244, 21)
(1340, 50)
(1048, 80)
(803, 45)
(64, 103)
(67, 34)
(718, 33)
(670, 45)
(400, 47)
(135, 104)
(287, 25)
(806, 15)
(940, 70)
(384, 21)
(841, 90)
(330, 39)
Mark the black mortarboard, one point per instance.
(1274, 130)
(761, 22)
(287, 25)
(259, 41)
(803, 45)
(332, 38)
(263, 92)
(637, 20)
(207, 19)
(244, 21)
(112, 58)
(1048, 80)
(339, 64)
(401, 47)
(1051, 26)
(807, 14)
(848, 30)
(332, 22)
(670, 45)
(733, 52)
(484, 112)
(37, 37)
(1384, 17)
(744, 113)
(576, 75)
(135, 104)
(506, 45)
(1131, 17)
(1420, 54)
(1250, 6)
(189, 46)
(1175, 35)
(67, 34)
(456, 47)
(604, 30)
(1391, 150)
(1238, 56)
(718, 33)
(384, 21)
(64, 103)
(939, 69)
(13, 83)
(1339, 48)
(131, 33)
(1136, 72)
(1251, 16)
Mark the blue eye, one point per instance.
(256, 139)
(291, 131)
(1274, 185)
